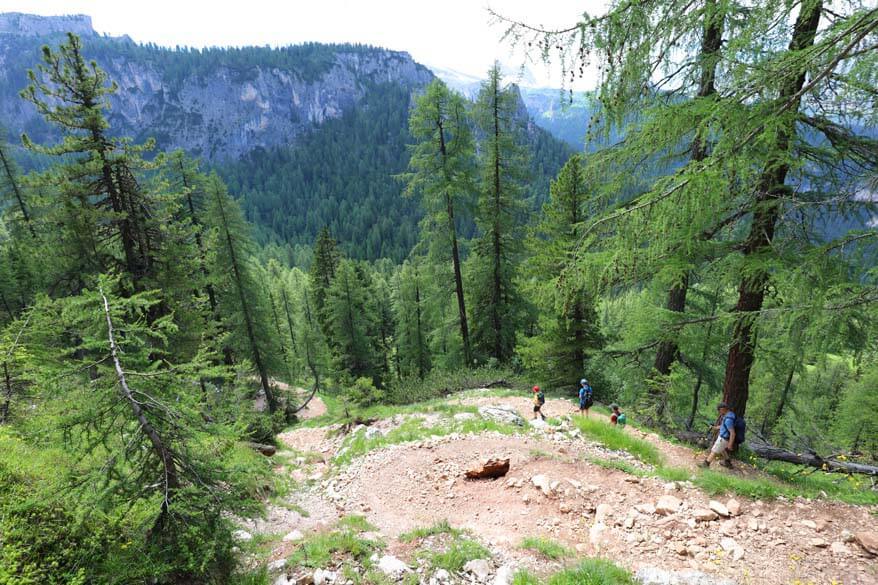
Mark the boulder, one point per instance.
(489, 468)
(293, 536)
(479, 568)
(242, 535)
(392, 566)
(372, 433)
(734, 507)
(267, 450)
(441, 576)
(668, 505)
(595, 534)
(463, 416)
(809, 524)
(719, 508)
(542, 483)
(647, 508)
(603, 512)
(502, 414)
(868, 540)
(277, 566)
(538, 423)
(323, 577)
(753, 524)
(702, 515)
(818, 543)
(505, 575)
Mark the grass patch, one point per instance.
(618, 440)
(441, 527)
(459, 552)
(592, 572)
(717, 482)
(319, 549)
(413, 429)
(356, 523)
(525, 578)
(618, 465)
(548, 548)
(847, 488)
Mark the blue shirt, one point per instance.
(585, 392)
(727, 425)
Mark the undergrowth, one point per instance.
(317, 550)
(441, 527)
(618, 440)
(548, 548)
(585, 572)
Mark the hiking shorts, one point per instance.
(720, 446)
(537, 407)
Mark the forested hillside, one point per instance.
(161, 363)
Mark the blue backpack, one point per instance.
(740, 430)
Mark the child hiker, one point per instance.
(618, 417)
(539, 401)
(586, 397)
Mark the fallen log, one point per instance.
(770, 452)
(811, 459)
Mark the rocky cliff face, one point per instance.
(215, 103)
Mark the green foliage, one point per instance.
(319, 549)
(363, 392)
(592, 572)
(457, 552)
(441, 527)
(548, 548)
(439, 383)
(618, 439)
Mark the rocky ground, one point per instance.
(665, 532)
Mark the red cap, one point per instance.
(536, 388)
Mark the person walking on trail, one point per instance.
(586, 397)
(725, 439)
(539, 401)
(618, 417)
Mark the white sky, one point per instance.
(455, 34)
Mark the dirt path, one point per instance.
(596, 511)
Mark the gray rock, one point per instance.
(392, 566)
(543, 483)
(502, 414)
(242, 535)
(504, 576)
(654, 576)
(278, 565)
(480, 569)
(372, 432)
(463, 416)
(440, 576)
(293, 536)
(538, 423)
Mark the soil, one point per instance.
(412, 485)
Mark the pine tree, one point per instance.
(568, 329)
(412, 321)
(326, 259)
(351, 320)
(442, 171)
(496, 252)
(101, 203)
(240, 295)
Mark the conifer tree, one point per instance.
(323, 267)
(351, 321)
(412, 321)
(442, 171)
(240, 295)
(568, 329)
(496, 305)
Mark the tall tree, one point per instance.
(500, 207)
(323, 267)
(568, 329)
(244, 306)
(351, 320)
(412, 321)
(442, 171)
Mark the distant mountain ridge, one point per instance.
(214, 103)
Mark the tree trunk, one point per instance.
(10, 176)
(245, 308)
(711, 41)
(170, 478)
(455, 258)
(751, 290)
(7, 399)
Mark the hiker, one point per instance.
(585, 397)
(539, 401)
(618, 417)
(725, 439)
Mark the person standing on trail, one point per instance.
(539, 401)
(618, 417)
(586, 397)
(725, 439)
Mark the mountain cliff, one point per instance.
(214, 103)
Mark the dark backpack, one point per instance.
(541, 398)
(740, 430)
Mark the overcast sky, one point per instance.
(455, 34)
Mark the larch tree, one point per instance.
(442, 171)
(497, 251)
